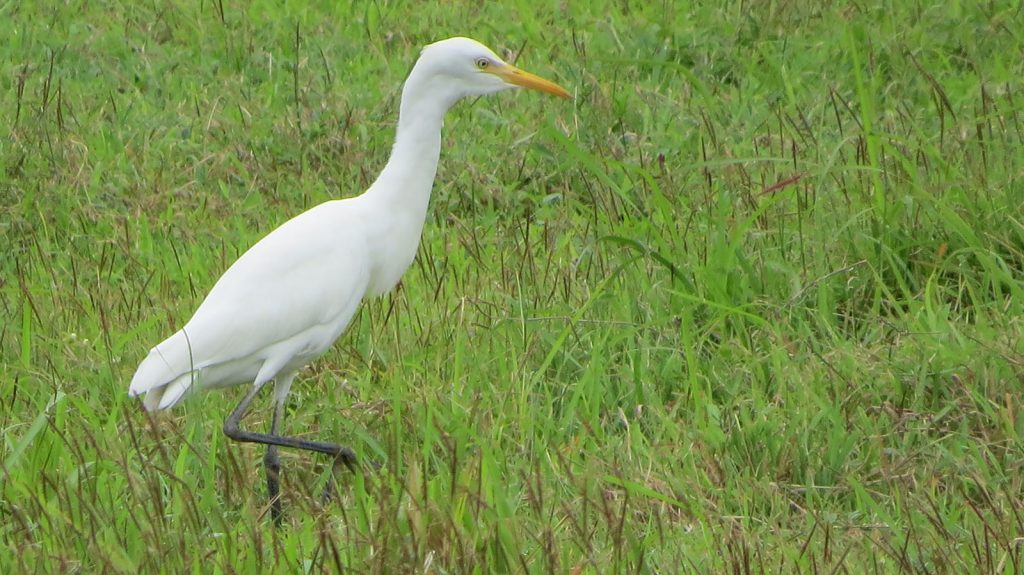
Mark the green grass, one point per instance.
(751, 303)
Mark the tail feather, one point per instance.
(170, 394)
(166, 373)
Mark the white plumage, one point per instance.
(276, 309)
(290, 296)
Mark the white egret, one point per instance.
(292, 294)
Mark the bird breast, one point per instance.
(396, 247)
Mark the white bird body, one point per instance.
(320, 265)
(320, 268)
(292, 294)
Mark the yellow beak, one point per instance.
(517, 77)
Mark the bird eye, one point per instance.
(482, 63)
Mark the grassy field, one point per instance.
(751, 303)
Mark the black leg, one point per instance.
(272, 440)
(272, 467)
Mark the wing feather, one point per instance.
(296, 285)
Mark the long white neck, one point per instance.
(401, 193)
(406, 180)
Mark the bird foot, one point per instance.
(345, 457)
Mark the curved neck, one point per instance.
(406, 180)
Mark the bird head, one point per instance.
(463, 67)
